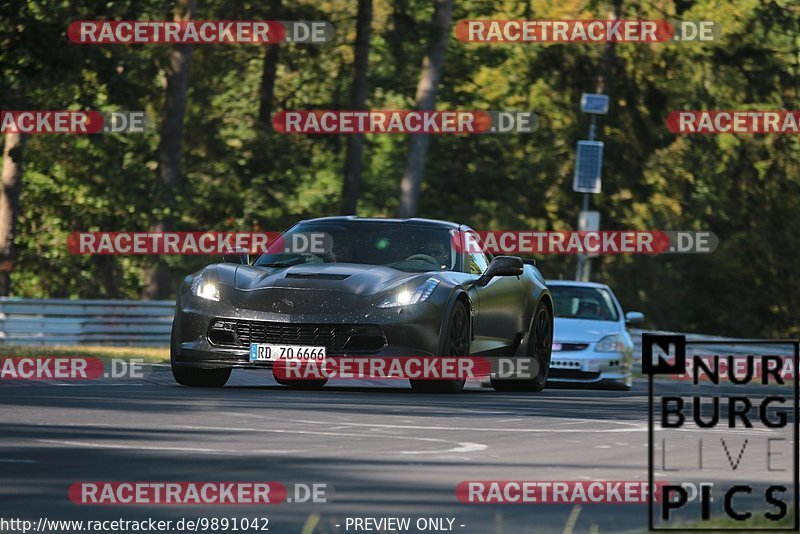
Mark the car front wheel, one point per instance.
(458, 338)
(540, 348)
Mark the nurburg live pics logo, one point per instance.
(732, 434)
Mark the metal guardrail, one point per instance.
(148, 323)
(724, 346)
(85, 322)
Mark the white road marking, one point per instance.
(95, 445)
(463, 447)
(631, 426)
(459, 446)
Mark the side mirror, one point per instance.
(501, 266)
(634, 318)
(243, 259)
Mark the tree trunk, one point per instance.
(170, 147)
(609, 55)
(358, 101)
(269, 72)
(9, 206)
(426, 101)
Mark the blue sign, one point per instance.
(594, 103)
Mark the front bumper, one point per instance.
(586, 366)
(408, 331)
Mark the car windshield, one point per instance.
(406, 247)
(574, 302)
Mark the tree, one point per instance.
(234, 176)
(9, 206)
(427, 89)
(269, 72)
(170, 146)
(358, 100)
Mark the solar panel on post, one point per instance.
(588, 166)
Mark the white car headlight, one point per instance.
(406, 297)
(612, 343)
(205, 289)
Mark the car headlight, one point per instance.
(205, 289)
(612, 343)
(406, 297)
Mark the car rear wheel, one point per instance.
(200, 378)
(540, 348)
(458, 339)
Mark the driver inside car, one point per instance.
(440, 251)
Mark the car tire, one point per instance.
(457, 344)
(539, 350)
(194, 376)
(200, 378)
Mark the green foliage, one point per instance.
(239, 175)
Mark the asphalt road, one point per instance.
(387, 451)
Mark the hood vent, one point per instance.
(318, 276)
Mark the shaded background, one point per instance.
(230, 171)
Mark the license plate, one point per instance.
(268, 352)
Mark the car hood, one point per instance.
(351, 278)
(583, 330)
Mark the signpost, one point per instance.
(594, 103)
(589, 221)
(588, 167)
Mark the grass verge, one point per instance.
(148, 354)
(756, 523)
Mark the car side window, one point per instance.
(477, 263)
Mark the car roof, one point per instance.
(413, 221)
(574, 283)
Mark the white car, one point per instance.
(590, 342)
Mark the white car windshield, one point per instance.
(575, 302)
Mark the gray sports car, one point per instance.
(376, 287)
